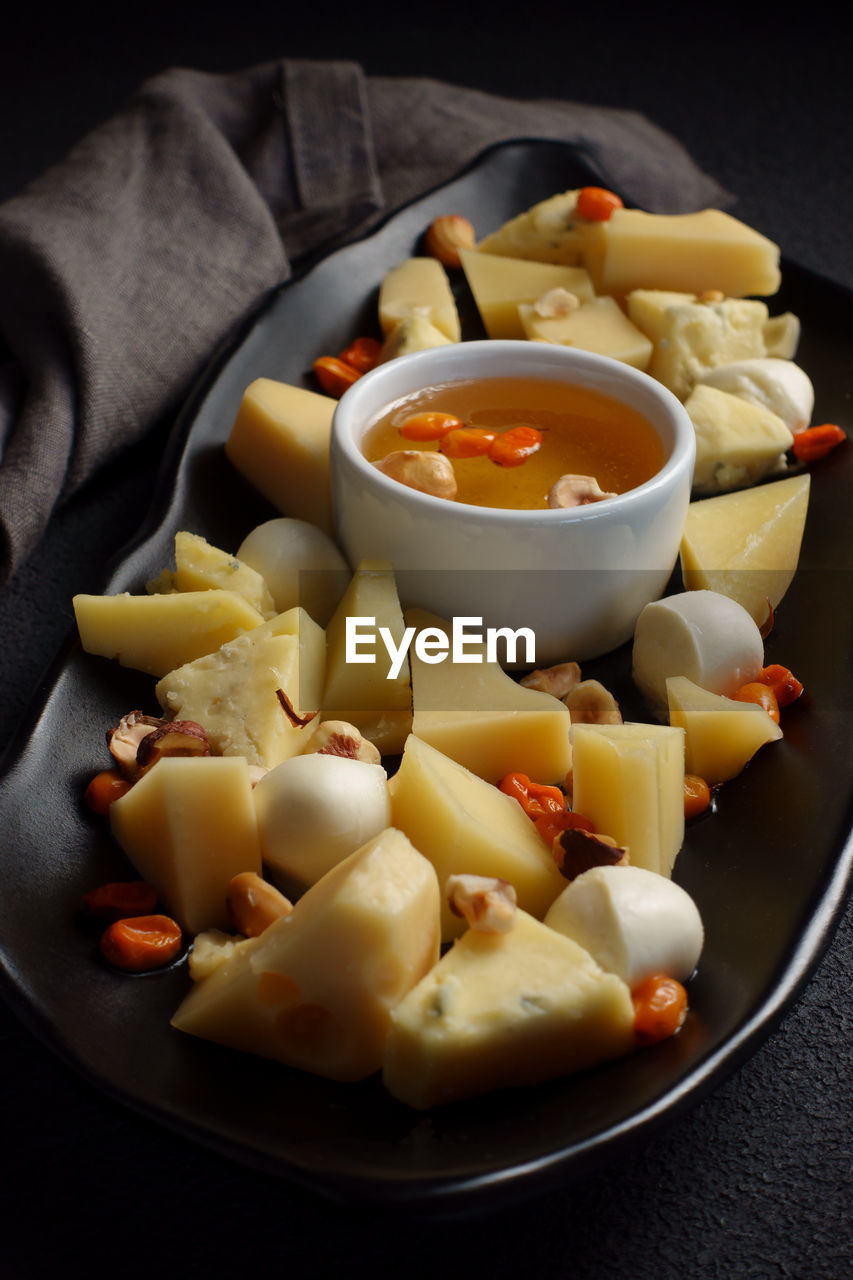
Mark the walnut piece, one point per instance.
(486, 902)
(575, 851)
(590, 703)
(340, 738)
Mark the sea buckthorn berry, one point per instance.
(105, 787)
(142, 943)
(762, 695)
(362, 354)
(697, 795)
(334, 376)
(660, 1007)
(783, 682)
(429, 425)
(597, 204)
(467, 442)
(513, 447)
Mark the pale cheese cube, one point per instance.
(188, 826)
(547, 232)
(688, 252)
(280, 443)
(499, 285)
(599, 325)
(737, 442)
(363, 692)
(316, 989)
(413, 333)
(628, 779)
(691, 337)
(504, 1010)
(467, 826)
(156, 633)
(746, 546)
(234, 692)
(721, 735)
(475, 713)
(418, 286)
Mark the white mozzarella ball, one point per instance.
(778, 385)
(705, 636)
(315, 810)
(299, 563)
(633, 922)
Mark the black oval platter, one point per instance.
(769, 869)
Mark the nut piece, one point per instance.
(710, 295)
(590, 703)
(486, 902)
(340, 738)
(254, 904)
(171, 738)
(423, 470)
(124, 740)
(576, 491)
(556, 303)
(446, 236)
(575, 851)
(558, 680)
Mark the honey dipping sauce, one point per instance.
(584, 432)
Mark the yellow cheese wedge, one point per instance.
(689, 252)
(362, 692)
(315, 990)
(280, 443)
(628, 779)
(418, 286)
(199, 566)
(413, 333)
(188, 826)
(233, 693)
(467, 826)
(691, 337)
(547, 232)
(599, 325)
(502, 1010)
(721, 735)
(156, 633)
(747, 545)
(737, 442)
(479, 716)
(499, 285)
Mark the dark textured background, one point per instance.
(754, 1182)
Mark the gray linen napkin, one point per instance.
(125, 265)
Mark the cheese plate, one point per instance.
(769, 868)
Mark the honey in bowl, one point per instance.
(583, 432)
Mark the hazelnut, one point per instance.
(486, 902)
(339, 738)
(556, 303)
(576, 491)
(124, 740)
(171, 738)
(423, 470)
(445, 236)
(590, 703)
(558, 680)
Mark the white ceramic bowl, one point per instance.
(578, 577)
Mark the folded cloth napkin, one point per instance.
(125, 265)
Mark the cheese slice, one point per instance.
(747, 545)
(155, 633)
(199, 566)
(502, 1010)
(628, 779)
(691, 336)
(280, 443)
(737, 442)
(475, 713)
(418, 286)
(364, 692)
(690, 252)
(315, 990)
(499, 285)
(721, 735)
(234, 692)
(599, 325)
(188, 826)
(547, 232)
(467, 826)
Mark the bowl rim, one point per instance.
(681, 456)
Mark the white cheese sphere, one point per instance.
(315, 810)
(633, 922)
(705, 636)
(300, 564)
